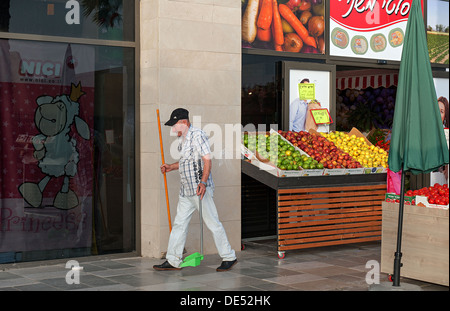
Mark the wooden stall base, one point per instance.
(425, 236)
(323, 216)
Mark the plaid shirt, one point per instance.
(195, 146)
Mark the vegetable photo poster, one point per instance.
(307, 87)
(373, 29)
(46, 169)
(295, 26)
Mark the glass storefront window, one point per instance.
(259, 91)
(67, 150)
(261, 88)
(89, 19)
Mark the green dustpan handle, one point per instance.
(200, 173)
(201, 224)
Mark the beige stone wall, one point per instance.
(190, 57)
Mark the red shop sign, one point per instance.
(369, 15)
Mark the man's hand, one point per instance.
(165, 168)
(169, 167)
(201, 190)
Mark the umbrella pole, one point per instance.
(398, 253)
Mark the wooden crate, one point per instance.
(323, 216)
(425, 242)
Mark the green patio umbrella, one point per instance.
(418, 142)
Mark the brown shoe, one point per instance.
(165, 267)
(226, 265)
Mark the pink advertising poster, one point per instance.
(46, 164)
(373, 29)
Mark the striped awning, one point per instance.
(361, 79)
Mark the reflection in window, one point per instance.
(67, 166)
(259, 91)
(94, 19)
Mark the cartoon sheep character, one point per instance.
(55, 150)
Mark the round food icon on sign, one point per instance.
(396, 37)
(378, 42)
(339, 38)
(359, 45)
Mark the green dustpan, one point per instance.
(195, 259)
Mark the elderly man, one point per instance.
(196, 183)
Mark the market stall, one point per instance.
(347, 77)
(316, 206)
(314, 211)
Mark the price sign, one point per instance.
(321, 116)
(306, 91)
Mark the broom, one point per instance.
(163, 255)
(165, 178)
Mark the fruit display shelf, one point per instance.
(271, 180)
(294, 154)
(435, 196)
(315, 211)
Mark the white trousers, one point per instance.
(185, 209)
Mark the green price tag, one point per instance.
(321, 116)
(306, 91)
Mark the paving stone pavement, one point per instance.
(336, 268)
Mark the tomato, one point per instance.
(409, 193)
(431, 201)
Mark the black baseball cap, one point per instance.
(177, 114)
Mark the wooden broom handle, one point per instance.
(165, 178)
